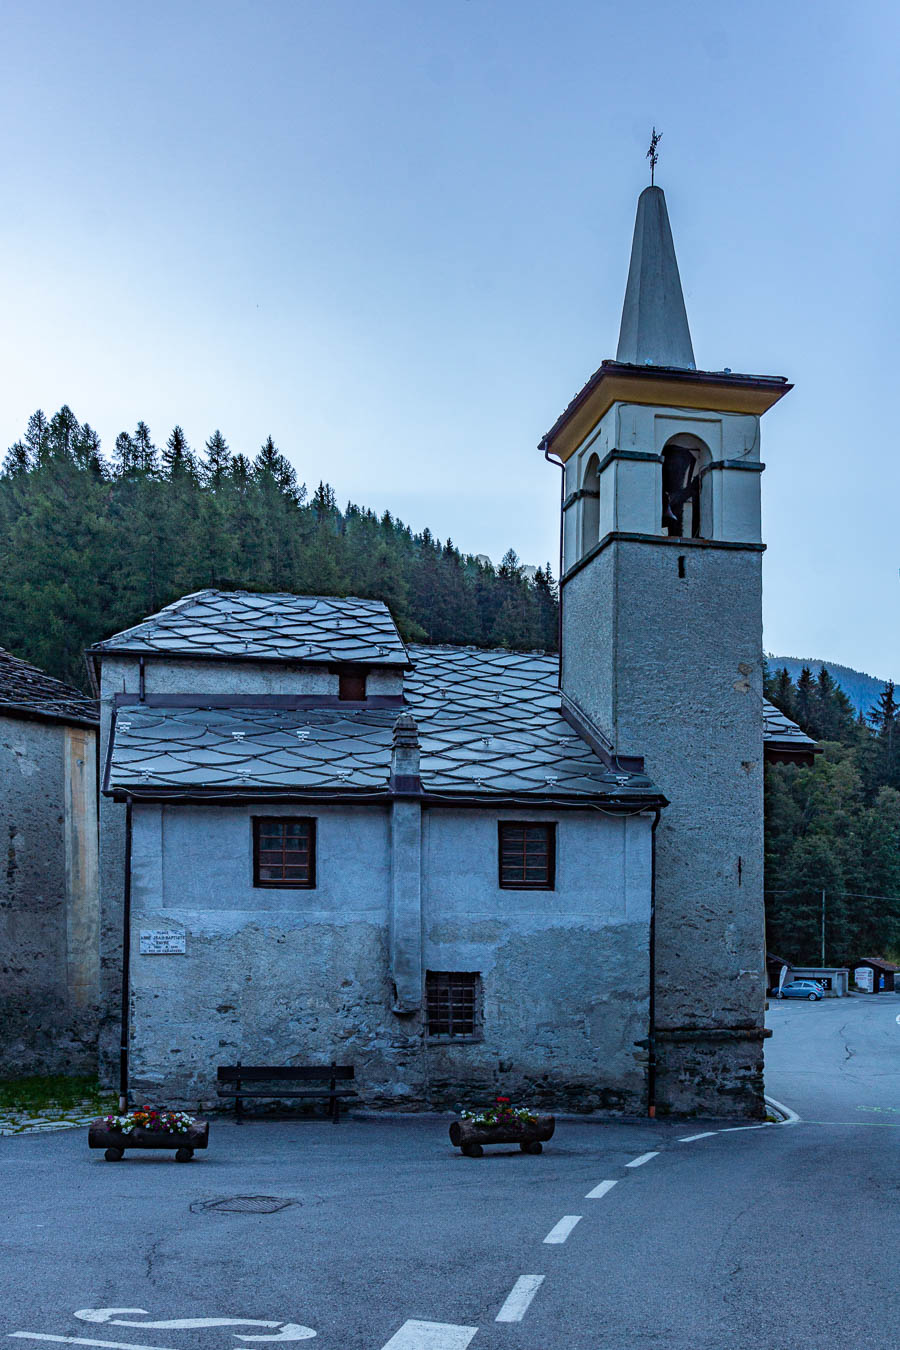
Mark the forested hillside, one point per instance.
(90, 545)
(834, 828)
(862, 690)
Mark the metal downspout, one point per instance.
(651, 1014)
(126, 964)
(562, 498)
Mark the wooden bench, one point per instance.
(234, 1076)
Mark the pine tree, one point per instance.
(124, 454)
(805, 702)
(177, 458)
(547, 603)
(218, 460)
(884, 754)
(18, 461)
(37, 437)
(144, 449)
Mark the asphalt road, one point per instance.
(782, 1236)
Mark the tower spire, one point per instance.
(654, 329)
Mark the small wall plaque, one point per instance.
(163, 942)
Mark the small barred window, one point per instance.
(451, 1001)
(527, 857)
(284, 852)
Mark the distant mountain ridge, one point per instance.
(861, 689)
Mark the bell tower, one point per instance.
(661, 658)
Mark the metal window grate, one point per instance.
(527, 856)
(451, 999)
(285, 852)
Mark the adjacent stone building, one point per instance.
(442, 865)
(49, 910)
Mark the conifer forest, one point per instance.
(92, 544)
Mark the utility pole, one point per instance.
(823, 929)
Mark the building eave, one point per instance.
(665, 386)
(624, 803)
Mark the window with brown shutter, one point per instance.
(527, 856)
(352, 686)
(284, 852)
(451, 1004)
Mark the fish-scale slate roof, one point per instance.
(489, 724)
(25, 691)
(242, 624)
(783, 734)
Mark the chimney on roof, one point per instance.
(405, 755)
(654, 329)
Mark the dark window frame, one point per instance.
(549, 826)
(474, 1030)
(286, 883)
(352, 684)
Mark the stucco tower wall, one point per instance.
(685, 691)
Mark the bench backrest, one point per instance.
(272, 1073)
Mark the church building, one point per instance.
(471, 871)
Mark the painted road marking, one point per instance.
(560, 1231)
(734, 1129)
(415, 1335)
(83, 1340)
(791, 1117)
(519, 1298)
(290, 1331)
(599, 1191)
(689, 1138)
(645, 1157)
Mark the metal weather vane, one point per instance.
(652, 154)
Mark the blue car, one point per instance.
(810, 989)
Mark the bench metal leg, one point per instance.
(335, 1111)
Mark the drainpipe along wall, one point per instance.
(651, 1015)
(126, 963)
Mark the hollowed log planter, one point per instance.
(471, 1138)
(115, 1142)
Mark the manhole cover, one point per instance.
(243, 1204)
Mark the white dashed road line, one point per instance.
(644, 1158)
(415, 1335)
(519, 1298)
(689, 1138)
(599, 1191)
(560, 1231)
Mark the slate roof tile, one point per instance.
(780, 730)
(247, 625)
(27, 691)
(489, 723)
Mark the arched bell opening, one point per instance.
(686, 507)
(590, 505)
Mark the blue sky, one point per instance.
(395, 235)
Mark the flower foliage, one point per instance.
(501, 1116)
(149, 1118)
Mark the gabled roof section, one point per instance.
(243, 625)
(26, 692)
(489, 727)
